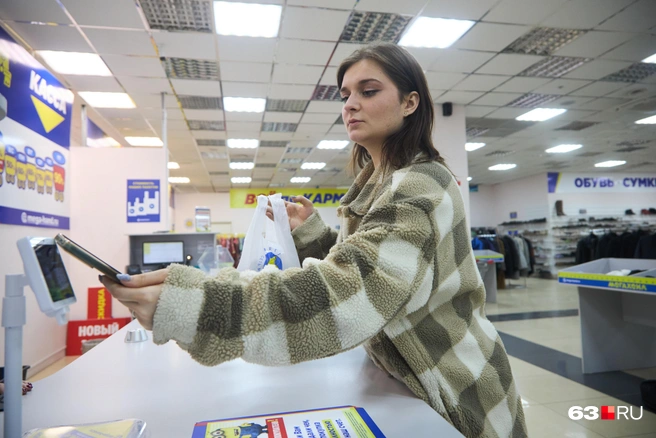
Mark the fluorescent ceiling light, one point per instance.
(102, 99)
(244, 104)
(242, 166)
(179, 180)
(651, 59)
(247, 19)
(240, 180)
(243, 143)
(473, 146)
(144, 141)
(502, 167)
(563, 148)
(469, 178)
(332, 144)
(541, 114)
(102, 142)
(300, 179)
(313, 165)
(435, 32)
(74, 63)
(648, 121)
(611, 163)
(173, 165)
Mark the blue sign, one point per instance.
(143, 200)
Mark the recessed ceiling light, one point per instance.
(300, 179)
(473, 146)
(610, 163)
(563, 148)
(243, 19)
(469, 178)
(144, 141)
(502, 167)
(244, 104)
(75, 63)
(434, 32)
(541, 114)
(242, 166)
(332, 144)
(102, 142)
(173, 165)
(313, 166)
(240, 179)
(648, 121)
(243, 143)
(651, 59)
(179, 180)
(101, 99)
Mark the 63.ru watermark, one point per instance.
(604, 412)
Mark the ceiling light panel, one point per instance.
(326, 92)
(247, 20)
(313, 166)
(241, 165)
(541, 114)
(563, 148)
(611, 163)
(179, 180)
(647, 121)
(99, 99)
(74, 63)
(144, 141)
(532, 100)
(279, 127)
(288, 106)
(554, 67)
(243, 143)
(244, 104)
(183, 68)
(332, 144)
(300, 180)
(502, 167)
(543, 41)
(201, 102)
(650, 60)
(437, 33)
(473, 146)
(206, 125)
(240, 180)
(366, 27)
(178, 15)
(210, 142)
(634, 73)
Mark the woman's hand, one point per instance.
(297, 213)
(140, 294)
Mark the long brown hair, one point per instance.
(400, 148)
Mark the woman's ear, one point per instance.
(411, 103)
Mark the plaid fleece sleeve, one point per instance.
(284, 317)
(313, 238)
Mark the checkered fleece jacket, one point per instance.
(400, 278)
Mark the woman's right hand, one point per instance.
(297, 213)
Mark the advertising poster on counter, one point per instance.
(143, 200)
(601, 183)
(35, 132)
(247, 198)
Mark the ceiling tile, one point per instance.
(245, 89)
(603, 103)
(523, 11)
(342, 51)
(144, 85)
(462, 61)
(62, 38)
(325, 107)
(319, 118)
(597, 69)
(635, 50)
(406, 7)
(490, 37)
(154, 101)
(506, 64)
(245, 71)
(313, 24)
(636, 18)
(93, 83)
(120, 42)
(189, 87)
(506, 113)
(117, 113)
(522, 84)
(337, 129)
(462, 9)
(635, 91)
(443, 81)
(459, 97)
(568, 102)
(234, 116)
(236, 48)
(329, 77)
(33, 10)
(584, 14)
(481, 82)
(296, 74)
(291, 92)
(216, 135)
(209, 115)
(497, 99)
(314, 127)
(334, 4)
(276, 117)
(425, 56)
(594, 43)
(599, 88)
(189, 45)
(117, 13)
(134, 66)
(478, 111)
(304, 52)
(242, 127)
(561, 86)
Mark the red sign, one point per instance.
(608, 412)
(85, 330)
(99, 304)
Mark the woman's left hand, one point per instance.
(140, 294)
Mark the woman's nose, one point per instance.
(351, 103)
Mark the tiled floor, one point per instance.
(547, 396)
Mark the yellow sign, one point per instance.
(247, 198)
(49, 117)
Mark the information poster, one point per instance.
(35, 128)
(143, 200)
(601, 183)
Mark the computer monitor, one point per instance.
(157, 253)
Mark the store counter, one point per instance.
(486, 261)
(618, 313)
(165, 387)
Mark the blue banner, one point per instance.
(143, 200)
(32, 218)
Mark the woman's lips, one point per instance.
(354, 122)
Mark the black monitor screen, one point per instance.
(54, 272)
(163, 252)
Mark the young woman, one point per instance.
(400, 278)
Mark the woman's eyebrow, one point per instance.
(362, 82)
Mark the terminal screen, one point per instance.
(52, 267)
(162, 252)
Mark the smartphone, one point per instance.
(86, 257)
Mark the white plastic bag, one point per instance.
(269, 242)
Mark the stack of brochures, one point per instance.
(338, 422)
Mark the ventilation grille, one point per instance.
(326, 92)
(210, 142)
(186, 15)
(532, 100)
(291, 150)
(543, 41)
(273, 144)
(214, 155)
(219, 173)
(279, 127)
(182, 68)
(554, 67)
(475, 131)
(633, 73)
(366, 27)
(645, 163)
(589, 154)
(291, 161)
(287, 169)
(264, 165)
(286, 106)
(576, 126)
(555, 165)
(631, 149)
(629, 143)
(206, 125)
(499, 153)
(201, 102)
